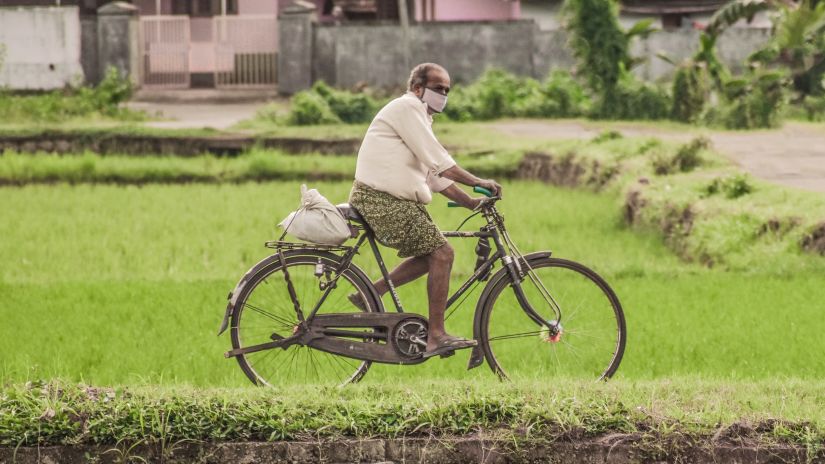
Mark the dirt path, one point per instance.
(189, 115)
(792, 156)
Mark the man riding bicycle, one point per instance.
(400, 164)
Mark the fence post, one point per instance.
(295, 41)
(117, 39)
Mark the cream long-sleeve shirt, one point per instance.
(400, 154)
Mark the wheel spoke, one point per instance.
(591, 340)
(267, 309)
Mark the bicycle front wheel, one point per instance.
(592, 338)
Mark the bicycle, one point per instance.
(279, 333)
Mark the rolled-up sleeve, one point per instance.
(437, 183)
(412, 126)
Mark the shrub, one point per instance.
(310, 108)
(691, 89)
(814, 108)
(633, 99)
(323, 104)
(498, 93)
(349, 107)
(461, 105)
(103, 100)
(598, 42)
(560, 96)
(753, 101)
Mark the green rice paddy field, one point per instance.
(127, 285)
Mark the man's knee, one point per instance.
(443, 254)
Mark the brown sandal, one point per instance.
(448, 345)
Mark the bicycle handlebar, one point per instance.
(476, 189)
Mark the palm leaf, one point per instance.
(732, 12)
(641, 28)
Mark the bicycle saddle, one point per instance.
(350, 213)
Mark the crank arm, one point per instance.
(283, 343)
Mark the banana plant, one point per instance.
(798, 37)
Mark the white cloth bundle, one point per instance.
(317, 220)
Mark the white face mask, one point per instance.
(434, 100)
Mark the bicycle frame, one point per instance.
(490, 230)
(317, 333)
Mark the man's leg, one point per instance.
(409, 270)
(438, 285)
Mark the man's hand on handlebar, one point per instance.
(474, 202)
(490, 185)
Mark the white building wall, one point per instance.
(41, 47)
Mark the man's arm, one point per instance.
(458, 174)
(453, 192)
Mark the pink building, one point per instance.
(420, 10)
(466, 10)
(208, 43)
(234, 43)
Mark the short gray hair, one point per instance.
(419, 74)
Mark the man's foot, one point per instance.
(357, 301)
(446, 346)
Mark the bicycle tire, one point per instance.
(492, 301)
(294, 259)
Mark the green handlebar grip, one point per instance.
(452, 204)
(482, 190)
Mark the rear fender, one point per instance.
(268, 261)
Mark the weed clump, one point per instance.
(686, 159)
(814, 241)
(735, 186)
(607, 135)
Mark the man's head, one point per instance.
(431, 77)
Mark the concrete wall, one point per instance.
(347, 55)
(732, 48)
(42, 47)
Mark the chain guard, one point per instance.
(377, 337)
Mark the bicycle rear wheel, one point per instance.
(592, 340)
(264, 312)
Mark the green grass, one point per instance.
(255, 165)
(117, 285)
(679, 412)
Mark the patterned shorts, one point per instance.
(403, 225)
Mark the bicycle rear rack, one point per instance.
(283, 245)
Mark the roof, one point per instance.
(670, 6)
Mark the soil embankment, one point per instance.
(106, 143)
(612, 448)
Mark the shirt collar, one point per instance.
(410, 94)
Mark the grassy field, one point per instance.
(127, 285)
